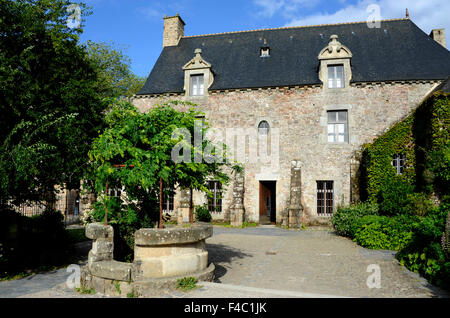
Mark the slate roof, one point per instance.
(398, 50)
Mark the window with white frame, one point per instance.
(197, 85)
(398, 162)
(338, 126)
(335, 76)
(215, 201)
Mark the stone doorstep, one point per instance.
(111, 270)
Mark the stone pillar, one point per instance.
(102, 244)
(295, 207)
(237, 209)
(185, 205)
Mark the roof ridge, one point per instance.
(292, 27)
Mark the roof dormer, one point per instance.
(198, 76)
(335, 64)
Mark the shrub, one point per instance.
(344, 220)
(418, 204)
(32, 243)
(424, 253)
(393, 196)
(202, 214)
(381, 232)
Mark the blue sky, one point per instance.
(137, 25)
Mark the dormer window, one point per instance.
(198, 76)
(335, 69)
(335, 76)
(265, 52)
(197, 85)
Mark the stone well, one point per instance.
(161, 257)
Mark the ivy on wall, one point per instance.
(423, 137)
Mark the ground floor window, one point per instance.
(399, 163)
(325, 195)
(168, 198)
(215, 201)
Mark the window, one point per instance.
(114, 193)
(265, 52)
(399, 163)
(338, 126)
(335, 76)
(168, 199)
(325, 194)
(215, 201)
(263, 128)
(197, 86)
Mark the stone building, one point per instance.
(314, 94)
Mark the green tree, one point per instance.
(50, 104)
(143, 143)
(113, 66)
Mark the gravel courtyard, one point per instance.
(271, 262)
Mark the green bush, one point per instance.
(382, 232)
(125, 220)
(32, 243)
(393, 196)
(344, 220)
(202, 214)
(418, 204)
(424, 253)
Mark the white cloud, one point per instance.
(289, 9)
(426, 14)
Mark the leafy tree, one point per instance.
(115, 76)
(143, 144)
(50, 103)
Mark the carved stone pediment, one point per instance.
(197, 62)
(335, 50)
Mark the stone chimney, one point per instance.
(173, 30)
(439, 36)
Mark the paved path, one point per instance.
(271, 262)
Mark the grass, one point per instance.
(85, 291)
(18, 275)
(228, 225)
(6, 276)
(76, 235)
(132, 294)
(186, 284)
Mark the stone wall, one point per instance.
(300, 115)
